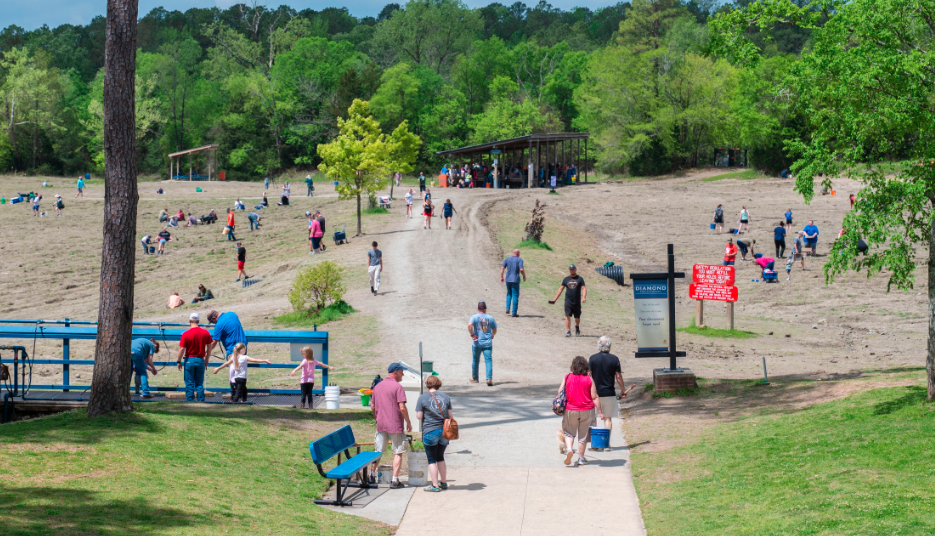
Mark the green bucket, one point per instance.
(365, 400)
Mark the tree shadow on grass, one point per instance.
(40, 511)
(258, 413)
(914, 396)
(76, 428)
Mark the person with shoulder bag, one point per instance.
(581, 401)
(438, 427)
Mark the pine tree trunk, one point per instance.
(359, 233)
(112, 368)
(930, 358)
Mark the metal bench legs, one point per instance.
(341, 490)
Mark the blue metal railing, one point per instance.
(66, 330)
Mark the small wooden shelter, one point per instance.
(210, 163)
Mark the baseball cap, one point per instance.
(307, 213)
(481, 305)
(572, 267)
(193, 317)
(394, 367)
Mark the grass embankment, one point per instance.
(716, 332)
(859, 465)
(168, 469)
(748, 174)
(533, 244)
(302, 319)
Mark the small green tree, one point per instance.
(361, 156)
(316, 286)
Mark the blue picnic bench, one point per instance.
(334, 444)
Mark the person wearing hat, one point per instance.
(575, 294)
(59, 205)
(482, 328)
(194, 349)
(227, 330)
(388, 404)
(310, 185)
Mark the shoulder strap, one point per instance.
(437, 404)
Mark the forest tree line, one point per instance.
(268, 85)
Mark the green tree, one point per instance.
(176, 71)
(866, 87)
(397, 99)
(360, 157)
(510, 114)
(316, 285)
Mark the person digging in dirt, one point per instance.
(576, 293)
(141, 353)
(744, 247)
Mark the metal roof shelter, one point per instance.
(534, 150)
(175, 159)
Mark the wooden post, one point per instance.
(730, 315)
(189, 167)
(699, 313)
(585, 160)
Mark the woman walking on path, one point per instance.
(744, 219)
(409, 203)
(427, 212)
(447, 210)
(581, 400)
(432, 408)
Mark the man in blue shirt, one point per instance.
(779, 238)
(309, 185)
(513, 266)
(811, 236)
(483, 328)
(266, 183)
(141, 353)
(227, 330)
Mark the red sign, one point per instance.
(712, 292)
(712, 274)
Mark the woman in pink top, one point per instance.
(581, 402)
(308, 375)
(315, 233)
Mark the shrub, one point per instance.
(536, 225)
(316, 286)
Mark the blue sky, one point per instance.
(31, 14)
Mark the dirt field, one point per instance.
(433, 279)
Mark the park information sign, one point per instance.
(712, 274)
(652, 314)
(712, 292)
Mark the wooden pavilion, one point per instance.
(175, 160)
(535, 152)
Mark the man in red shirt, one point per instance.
(388, 404)
(230, 225)
(730, 252)
(193, 347)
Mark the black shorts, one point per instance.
(573, 309)
(421, 187)
(719, 220)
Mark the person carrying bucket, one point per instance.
(605, 370)
(580, 402)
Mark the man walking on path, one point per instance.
(230, 225)
(80, 193)
(482, 328)
(227, 330)
(388, 404)
(374, 267)
(266, 183)
(421, 182)
(241, 260)
(575, 294)
(309, 185)
(193, 348)
(513, 266)
(141, 352)
(605, 370)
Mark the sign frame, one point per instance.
(670, 275)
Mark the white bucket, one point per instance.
(384, 474)
(418, 468)
(332, 397)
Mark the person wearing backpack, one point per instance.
(718, 219)
(432, 408)
(581, 400)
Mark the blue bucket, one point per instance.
(712, 226)
(600, 438)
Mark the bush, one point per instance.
(316, 286)
(536, 225)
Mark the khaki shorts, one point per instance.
(578, 423)
(398, 442)
(610, 407)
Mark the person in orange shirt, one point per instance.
(730, 252)
(230, 225)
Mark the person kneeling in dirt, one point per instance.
(175, 301)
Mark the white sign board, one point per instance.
(650, 299)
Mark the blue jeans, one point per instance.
(487, 361)
(195, 379)
(512, 295)
(142, 375)
(230, 233)
(253, 224)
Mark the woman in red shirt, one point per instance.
(580, 403)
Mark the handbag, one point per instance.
(558, 404)
(450, 427)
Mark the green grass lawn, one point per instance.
(716, 332)
(171, 469)
(745, 175)
(864, 464)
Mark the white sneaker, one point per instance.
(582, 460)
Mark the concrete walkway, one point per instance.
(506, 476)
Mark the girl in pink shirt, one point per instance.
(308, 375)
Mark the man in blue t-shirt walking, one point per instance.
(227, 330)
(483, 328)
(513, 266)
